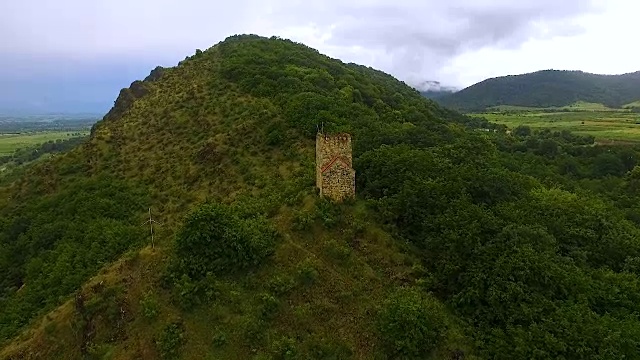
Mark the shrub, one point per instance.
(215, 239)
(285, 348)
(254, 331)
(190, 293)
(170, 340)
(411, 324)
(219, 339)
(327, 349)
(100, 351)
(149, 305)
(522, 130)
(307, 273)
(269, 305)
(281, 284)
(337, 251)
(275, 138)
(302, 220)
(328, 212)
(186, 292)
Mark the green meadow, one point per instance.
(11, 142)
(605, 124)
(577, 106)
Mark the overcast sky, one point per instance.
(87, 50)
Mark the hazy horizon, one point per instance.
(79, 59)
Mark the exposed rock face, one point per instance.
(335, 176)
(125, 100)
(155, 74)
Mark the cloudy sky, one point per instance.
(76, 54)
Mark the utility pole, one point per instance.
(150, 222)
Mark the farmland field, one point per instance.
(27, 132)
(606, 126)
(11, 142)
(577, 106)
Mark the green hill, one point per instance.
(435, 94)
(463, 241)
(632, 105)
(548, 88)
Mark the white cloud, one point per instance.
(606, 46)
(457, 42)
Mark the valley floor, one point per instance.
(9, 143)
(606, 126)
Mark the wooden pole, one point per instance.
(151, 221)
(153, 244)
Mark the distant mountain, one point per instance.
(434, 86)
(547, 88)
(434, 90)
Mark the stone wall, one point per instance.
(335, 176)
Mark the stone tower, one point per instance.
(335, 176)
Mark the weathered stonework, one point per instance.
(335, 176)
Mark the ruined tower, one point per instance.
(335, 176)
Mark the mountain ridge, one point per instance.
(547, 88)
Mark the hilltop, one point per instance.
(463, 241)
(547, 88)
(434, 90)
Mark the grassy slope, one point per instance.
(335, 310)
(195, 136)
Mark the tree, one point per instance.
(215, 239)
(522, 130)
(607, 164)
(411, 324)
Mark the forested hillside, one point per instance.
(547, 88)
(434, 94)
(463, 241)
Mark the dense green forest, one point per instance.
(547, 88)
(463, 241)
(435, 94)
